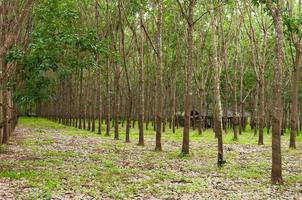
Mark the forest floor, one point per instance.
(46, 160)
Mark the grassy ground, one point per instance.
(46, 160)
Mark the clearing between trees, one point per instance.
(46, 160)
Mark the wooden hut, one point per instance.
(195, 116)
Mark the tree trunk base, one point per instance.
(277, 181)
(158, 149)
(221, 163)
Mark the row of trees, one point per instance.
(13, 15)
(153, 61)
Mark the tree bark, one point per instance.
(276, 12)
(241, 117)
(81, 106)
(234, 85)
(5, 130)
(159, 85)
(261, 107)
(142, 83)
(188, 81)
(295, 96)
(201, 113)
(255, 112)
(117, 102)
(108, 99)
(295, 87)
(174, 103)
(217, 98)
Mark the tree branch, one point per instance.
(183, 12)
(207, 12)
(248, 94)
(150, 40)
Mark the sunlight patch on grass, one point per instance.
(293, 179)
(18, 174)
(247, 170)
(35, 122)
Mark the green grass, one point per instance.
(3, 147)
(249, 171)
(294, 180)
(39, 123)
(18, 174)
(207, 136)
(44, 180)
(120, 170)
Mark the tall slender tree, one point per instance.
(217, 97)
(276, 11)
(141, 81)
(159, 81)
(296, 39)
(188, 73)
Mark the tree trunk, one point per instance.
(159, 85)
(261, 107)
(108, 101)
(188, 81)
(81, 109)
(141, 84)
(5, 128)
(128, 122)
(174, 103)
(217, 98)
(234, 85)
(295, 88)
(255, 112)
(117, 102)
(194, 117)
(93, 103)
(295, 95)
(241, 98)
(88, 101)
(100, 110)
(276, 12)
(201, 112)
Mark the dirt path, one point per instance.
(55, 164)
